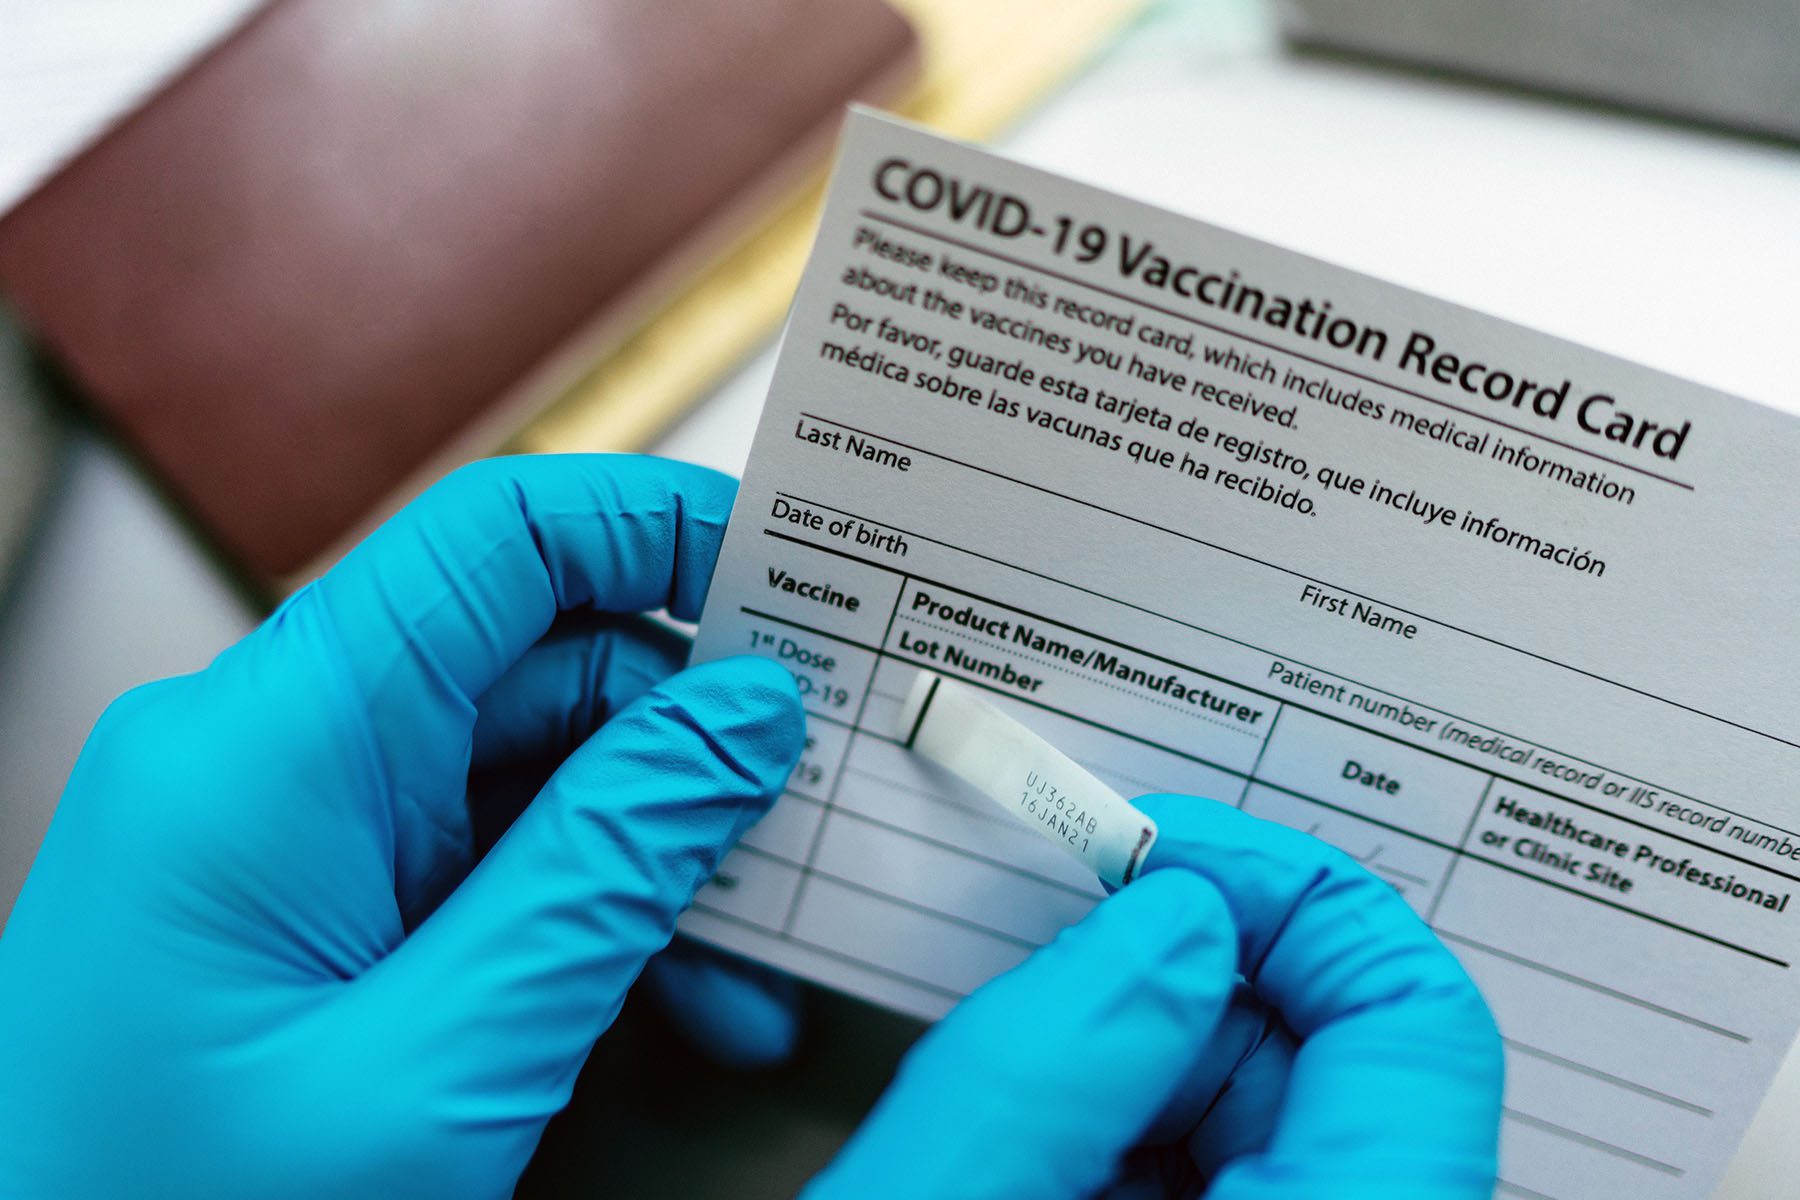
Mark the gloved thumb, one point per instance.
(1039, 1082)
(497, 998)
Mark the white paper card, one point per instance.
(1509, 620)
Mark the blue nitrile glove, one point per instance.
(252, 958)
(1127, 1059)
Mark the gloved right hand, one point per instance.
(1255, 1018)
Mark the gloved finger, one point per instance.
(1225, 1107)
(563, 688)
(736, 1012)
(1240, 1118)
(1038, 1082)
(1244, 1028)
(427, 613)
(493, 1003)
(586, 668)
(448, 594)
(1395, 1090)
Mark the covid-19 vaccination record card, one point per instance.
(1510, 621)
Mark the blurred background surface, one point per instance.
(1671, 239)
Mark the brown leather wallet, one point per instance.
(315, 269)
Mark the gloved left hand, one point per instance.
(252, 957)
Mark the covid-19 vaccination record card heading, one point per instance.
(1509, 620)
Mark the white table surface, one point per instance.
(1671, 245)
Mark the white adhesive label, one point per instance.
(950, 724)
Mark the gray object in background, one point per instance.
(1729, 62)
(30, 440)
